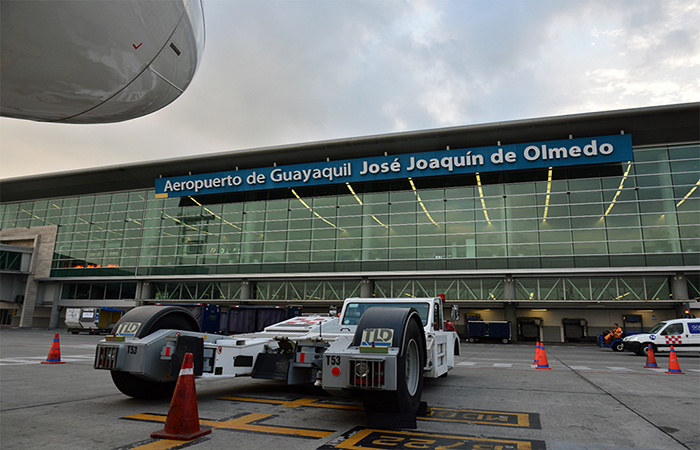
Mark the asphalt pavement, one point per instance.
(495, 398)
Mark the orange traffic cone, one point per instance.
(542, 362)
(55, 353)
(673, 366)
(537, 353)
(182, 422)
(651, 359)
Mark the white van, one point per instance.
(682, 334)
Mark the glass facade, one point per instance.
(642, 213)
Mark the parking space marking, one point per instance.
(159, 444)
(366, 438)
(23, 361)
(245, 422)
(311, 402)
(498, 418)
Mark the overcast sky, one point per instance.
(284, 72)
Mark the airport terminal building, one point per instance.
(588, 218)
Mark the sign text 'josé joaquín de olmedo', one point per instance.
(568, 152)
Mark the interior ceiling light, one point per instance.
(311, 209)
(413, 186)
(619, 188)
(549, 190)
(215, 215)
(690, 192)
(352, 191)
(481, 197)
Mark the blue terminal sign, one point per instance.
(568, 152)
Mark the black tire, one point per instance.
(137, 387)
(141, 388)
(472, 340)
(505, 340)
(410, 363)
(644, 349)
(618, 346)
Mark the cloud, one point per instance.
(282, 72)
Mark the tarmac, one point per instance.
(495, 398)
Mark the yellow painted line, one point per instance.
(521, 420)
(383, 439)
(310, 402)
(245, 423)
(162, 444)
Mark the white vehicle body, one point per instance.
(682, 334)
(328, 351)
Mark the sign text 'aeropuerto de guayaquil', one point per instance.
(568, 152)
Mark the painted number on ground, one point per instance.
(360, 438)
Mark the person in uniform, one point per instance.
(616, 333)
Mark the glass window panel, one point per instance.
(651, 167)
(658, 288)
(615, 221)
(577, 289)
(631, 288)
(320, 202)
(492, 288)
(296, 235)
(551, 288)
(403, 230)
(487, 251)
(603, 289)
(650, 154)
(684, 152)
(323, 233)
(447, 287)
(685, 176)
(402, 251)
(578, 188)
(526, 289)
(322, 255)
(590, 248)
(403, 196)
(300, 224)
(624, 234)
(470, 290)
(346, 222)
(523, 249)
(516, 226)
(625, 247)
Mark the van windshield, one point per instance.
(355, 310)
(657, 327)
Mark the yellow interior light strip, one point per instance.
(215, 215)
(619, 188)
(690, 192)
(420, 201)
(481, 197)
(352, 191)
(549, 191)
(311, 209)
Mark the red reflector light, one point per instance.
(335, 371)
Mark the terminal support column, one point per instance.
(510, 312)
(246, 288)
(679, 290)
(366, 288)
